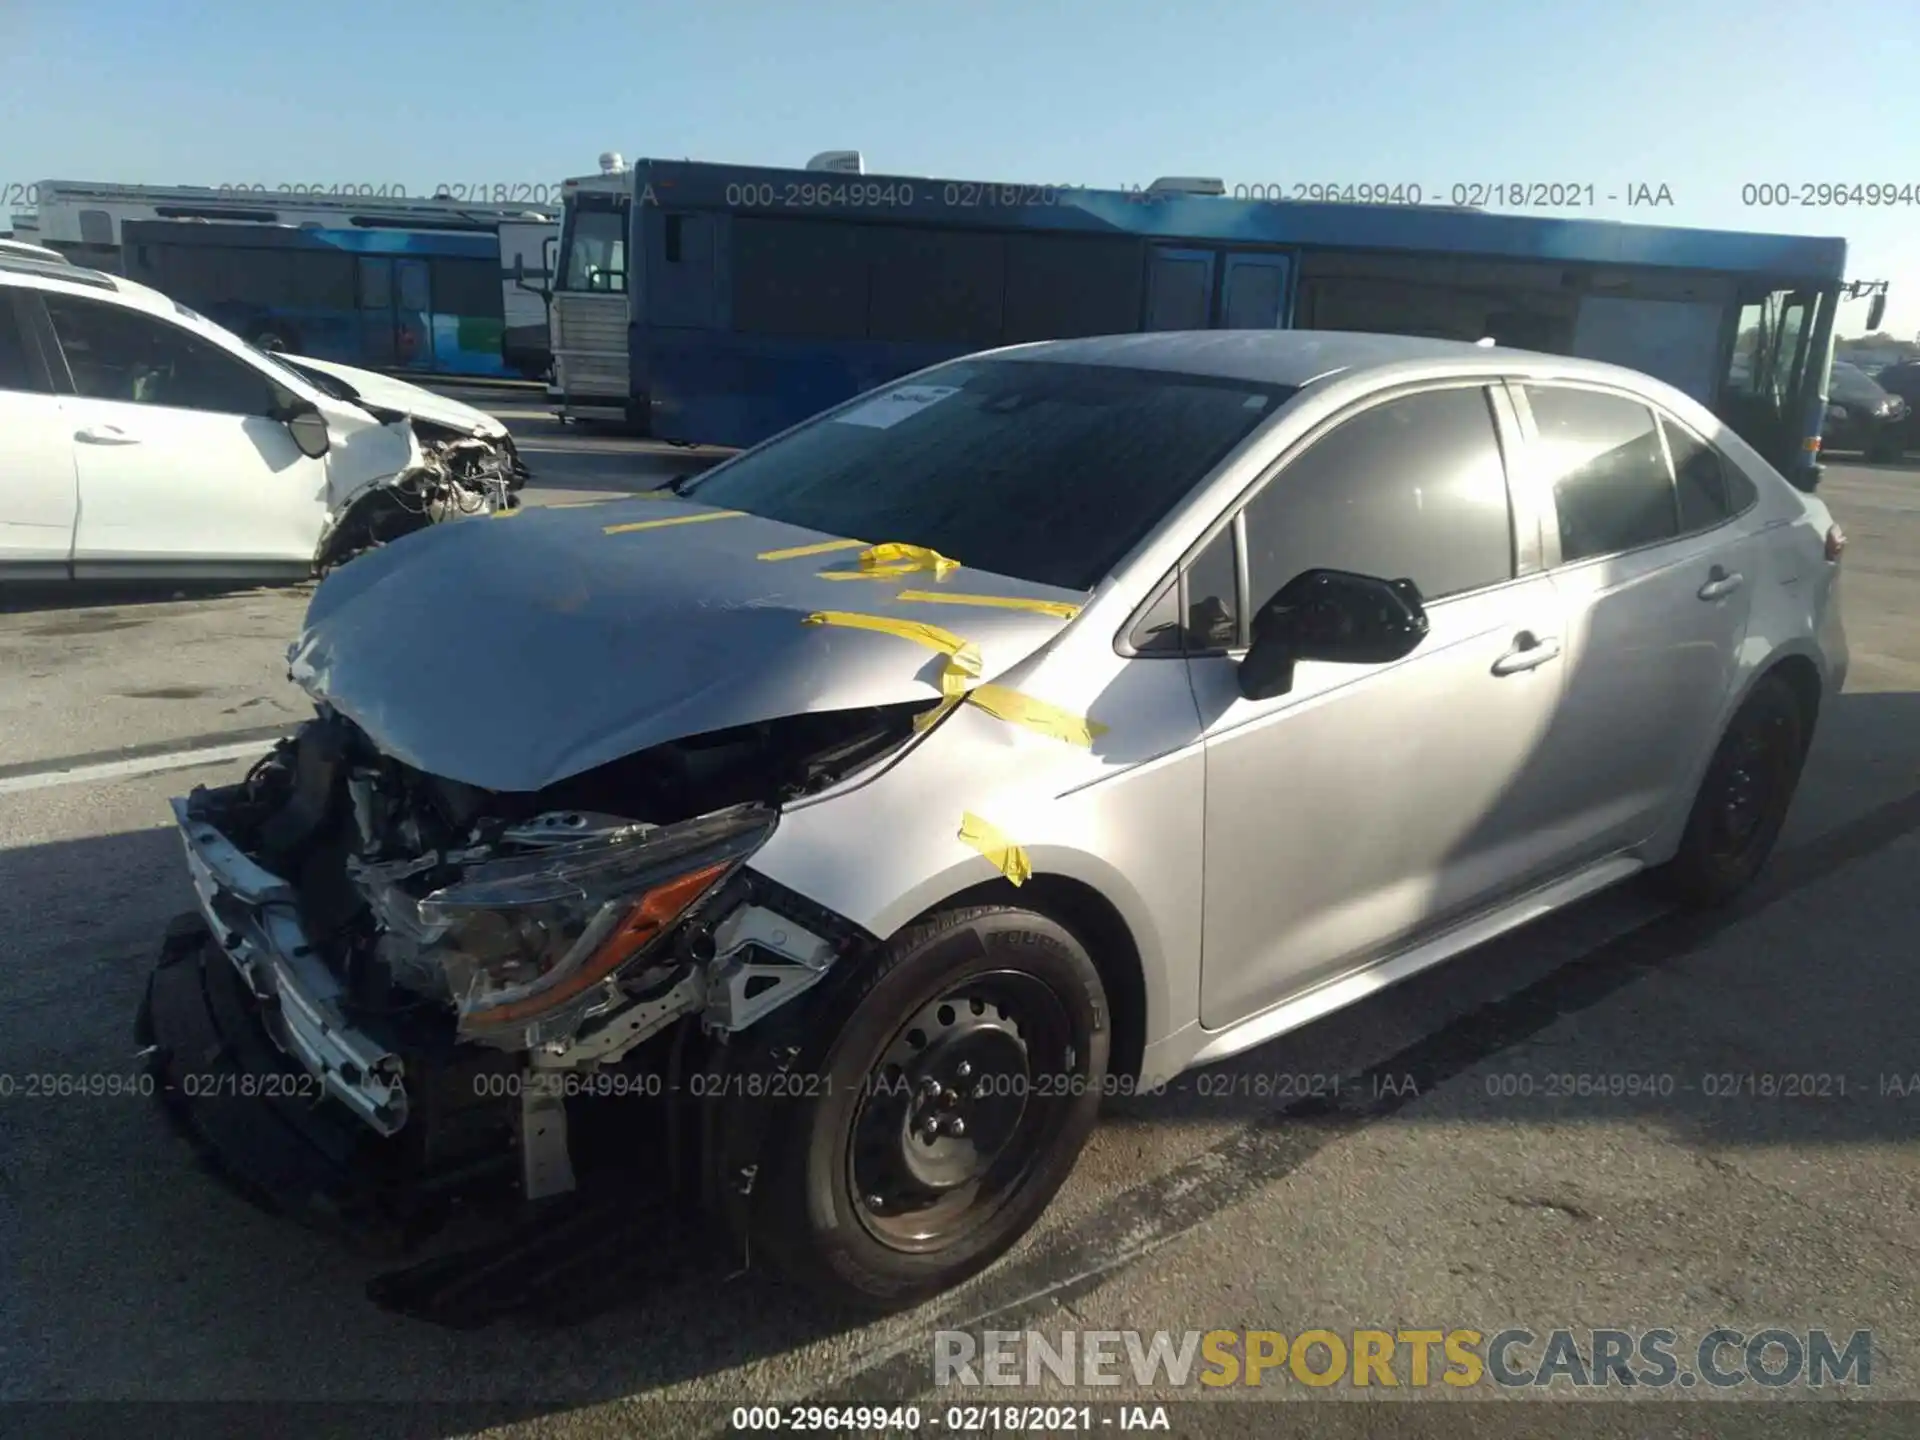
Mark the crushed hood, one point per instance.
(391, 394)
(514, 652)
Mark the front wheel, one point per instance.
(1743, 799)
(955, 1078)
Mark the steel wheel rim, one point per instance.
(993, 1063)
(1751, 784)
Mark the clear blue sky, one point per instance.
(1698, 96)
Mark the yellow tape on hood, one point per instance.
(886, 562)
(963, 658)
(1008, 857)
(671, 520)
(1058, 608)
(1036, 715)
(825, 547)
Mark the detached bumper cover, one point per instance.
(253, 920)
(248, 1112)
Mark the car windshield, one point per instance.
(1038, 470)
(285, 372)
(330, 384)
(1851, 382)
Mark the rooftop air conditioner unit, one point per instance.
(1187, 185)
(841, 162)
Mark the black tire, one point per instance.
(960, 983)
(1743, 799)
(1883, 450)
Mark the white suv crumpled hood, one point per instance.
(415, 400)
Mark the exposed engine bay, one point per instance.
(460, 968)
(457, 475)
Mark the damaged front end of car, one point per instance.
(451, 474)
(403, 994)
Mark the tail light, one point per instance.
(1836, 544)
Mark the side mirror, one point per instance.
(309, 430)
(1876, 312)
(1335, 617)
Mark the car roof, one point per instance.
(63, 277)
(1298, 357)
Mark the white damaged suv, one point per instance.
(140, 440)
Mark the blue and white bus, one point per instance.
(385, 299)
(757, 297)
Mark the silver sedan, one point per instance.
(1022, 733)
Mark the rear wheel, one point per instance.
(1743, 799)
(952, 1084)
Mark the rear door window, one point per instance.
(1702, 479)
(1601, 455)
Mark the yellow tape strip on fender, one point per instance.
(1058, 608)
(1008, 857)
(674, 520)
(1036, 715)
(963, 658)
(826, 547)
(892, 560)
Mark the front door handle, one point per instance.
(1529, 651)
(105, 435)
(1719, 583)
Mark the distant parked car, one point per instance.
(139, 440)
(1903, 379)
(1863, 416)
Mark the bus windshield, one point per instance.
(596, 249)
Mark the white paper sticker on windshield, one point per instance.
(889, 409)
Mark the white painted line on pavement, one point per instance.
(123, 769)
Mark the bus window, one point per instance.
(596, 247)
(802, 278)
(1065, 285)
(465, 287)
(935, 285)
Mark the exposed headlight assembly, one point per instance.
(531, 945)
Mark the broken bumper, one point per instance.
(253, 920)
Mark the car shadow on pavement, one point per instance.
(140, 1278)
(31, 597)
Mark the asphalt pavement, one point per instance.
(1448, 1171)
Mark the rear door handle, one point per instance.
(1529, 651)
(105, 435)
(1719, 583)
